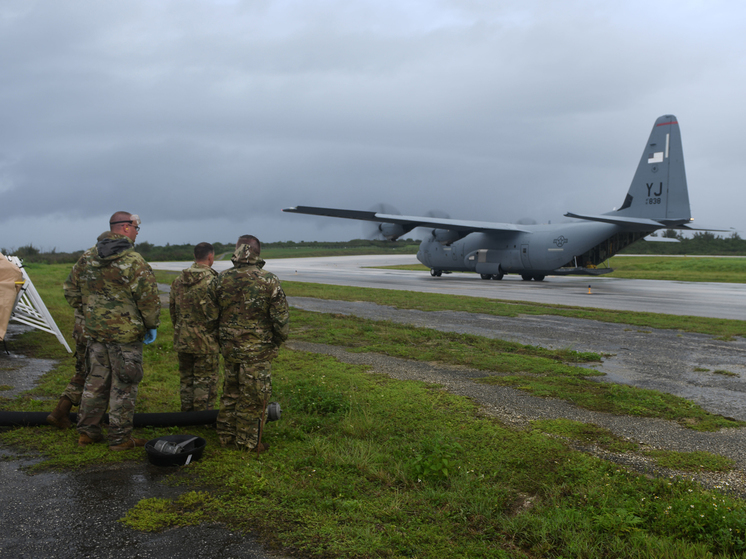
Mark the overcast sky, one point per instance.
(207, 117)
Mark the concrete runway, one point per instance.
(715, 300)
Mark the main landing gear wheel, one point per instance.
(485, 276)
(435, 273)
(538, 278)
(497, 276)
(526, 277)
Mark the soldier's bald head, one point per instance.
(252, 241)
(125, 223)
(117, 217)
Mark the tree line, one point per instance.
(185, 253)
(700, 243)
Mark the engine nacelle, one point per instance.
(446, 236)
(392, 231)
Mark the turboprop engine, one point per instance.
(385, 230)
(446, 236)
(392, 231)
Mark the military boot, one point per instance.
(85, 440)
(128, 444)
(60, 415)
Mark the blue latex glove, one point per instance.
(150, 336)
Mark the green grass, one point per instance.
(691, 461)
(726, 270)
(585, 433)
(365, 466)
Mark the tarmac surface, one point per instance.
(716, 300)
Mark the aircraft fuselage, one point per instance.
(572, 248)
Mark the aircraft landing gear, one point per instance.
(435, 273)
(538, 278)
(497, 276)
(525, 277)
(485, 276)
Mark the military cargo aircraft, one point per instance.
(657, 199)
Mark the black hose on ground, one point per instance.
(172, 419)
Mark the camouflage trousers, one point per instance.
(74, 389)
(247, 387)
(114, 371)
(199, 381)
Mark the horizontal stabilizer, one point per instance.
(660, 239)
(645, 224)
(642, 222)
(463, 226)
(700, 228)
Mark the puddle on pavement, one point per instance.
(69, 515)
(19, 372)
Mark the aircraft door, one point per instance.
(524, 257)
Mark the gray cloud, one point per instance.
(207, 117)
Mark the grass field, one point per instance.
(365, 466)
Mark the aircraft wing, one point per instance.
(463, 226)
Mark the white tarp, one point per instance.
(27, 306)
(11, 280)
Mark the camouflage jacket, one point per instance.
(193, 312)
(253, 310)
(116, 290)
(73, 293)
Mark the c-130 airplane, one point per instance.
(657, 199)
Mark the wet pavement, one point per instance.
(18, 372)
(75, 515)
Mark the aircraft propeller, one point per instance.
(379, 231)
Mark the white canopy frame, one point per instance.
(29, 309)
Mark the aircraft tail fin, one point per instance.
(658, 190)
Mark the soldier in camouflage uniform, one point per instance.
(253, 324)
(60, 416)
(194, 317)
(119, 298)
